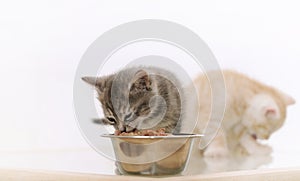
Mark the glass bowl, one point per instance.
(152, 155)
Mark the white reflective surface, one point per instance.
(42, 42)
(88, 161)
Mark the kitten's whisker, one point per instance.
(98, 121)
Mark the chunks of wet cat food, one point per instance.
(148, 132)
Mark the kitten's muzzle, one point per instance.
(125, 127)
(129, 129)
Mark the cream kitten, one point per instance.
(253, 112)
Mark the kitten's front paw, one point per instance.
(216, 152)
(265, 150)
(260, 150)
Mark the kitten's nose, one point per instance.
(121, 127)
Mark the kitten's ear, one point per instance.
(90, 80)
(271, 112)
(142, 80)
(98, 82)
(288, 100)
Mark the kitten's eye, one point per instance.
(111, 120)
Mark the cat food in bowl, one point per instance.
(147, 132)
(160, 154)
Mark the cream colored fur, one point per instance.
(253, 111)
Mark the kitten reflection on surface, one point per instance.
(199, 164)
(253, 112)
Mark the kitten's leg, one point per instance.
(218, 146)
(253, 147)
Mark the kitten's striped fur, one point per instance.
(139, 97)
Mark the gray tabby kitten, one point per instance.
(139, 98)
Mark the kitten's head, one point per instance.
(124, 97)
(266, 114)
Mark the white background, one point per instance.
(41, 43)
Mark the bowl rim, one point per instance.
(171, 136)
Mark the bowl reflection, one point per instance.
(152, 155)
